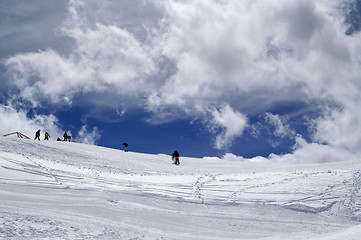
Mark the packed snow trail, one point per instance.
(68, 190)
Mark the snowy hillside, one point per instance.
(62, 190)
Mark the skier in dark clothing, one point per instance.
(175, 157)
(126, 147)
(37, 135)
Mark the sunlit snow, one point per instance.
(62, 190)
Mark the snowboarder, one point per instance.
(66, 137)
(47, 135)
(126, 147)
(58, 139)
(175, 158)
(37, 135)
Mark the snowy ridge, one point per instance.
(67, 190)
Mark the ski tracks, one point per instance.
(32, 169)
(309, 192)
(200, 183)
(47, 170)
(254, 185)
(351, 205)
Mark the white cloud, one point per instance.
(232, 157)
(88, 137)
(281, 50)
(303, 152)
(281, 128)
(218, 61)
(13, 120)
(232, 124)
(105, 60)
(340, 129)
(313, 152)
(46, 76)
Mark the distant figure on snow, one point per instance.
(175, 158)
(37, 135)
(58, 139)
(66, 137)
(47, 135)
(126, 147)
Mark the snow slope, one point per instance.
(62, 190)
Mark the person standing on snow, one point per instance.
(47, 135)
(126, 147)
(37, 135)
(66, 137)
(175, 157)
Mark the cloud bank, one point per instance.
(14, 120)
(221, 62)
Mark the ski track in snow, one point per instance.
(58, 190)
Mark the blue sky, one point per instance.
(257, 80)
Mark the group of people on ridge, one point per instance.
(37, 135)
(175, 155)
(47, 135)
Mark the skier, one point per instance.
(37, 135)
(175, 158)
(126, 147)
(47, 135)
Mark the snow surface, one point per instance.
(62, 190)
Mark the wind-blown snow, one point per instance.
(62, 190)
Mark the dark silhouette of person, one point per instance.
(47, 135)
(37, 135)
(126, 147)
(58, 139)
(175, 157)
(66, 137)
